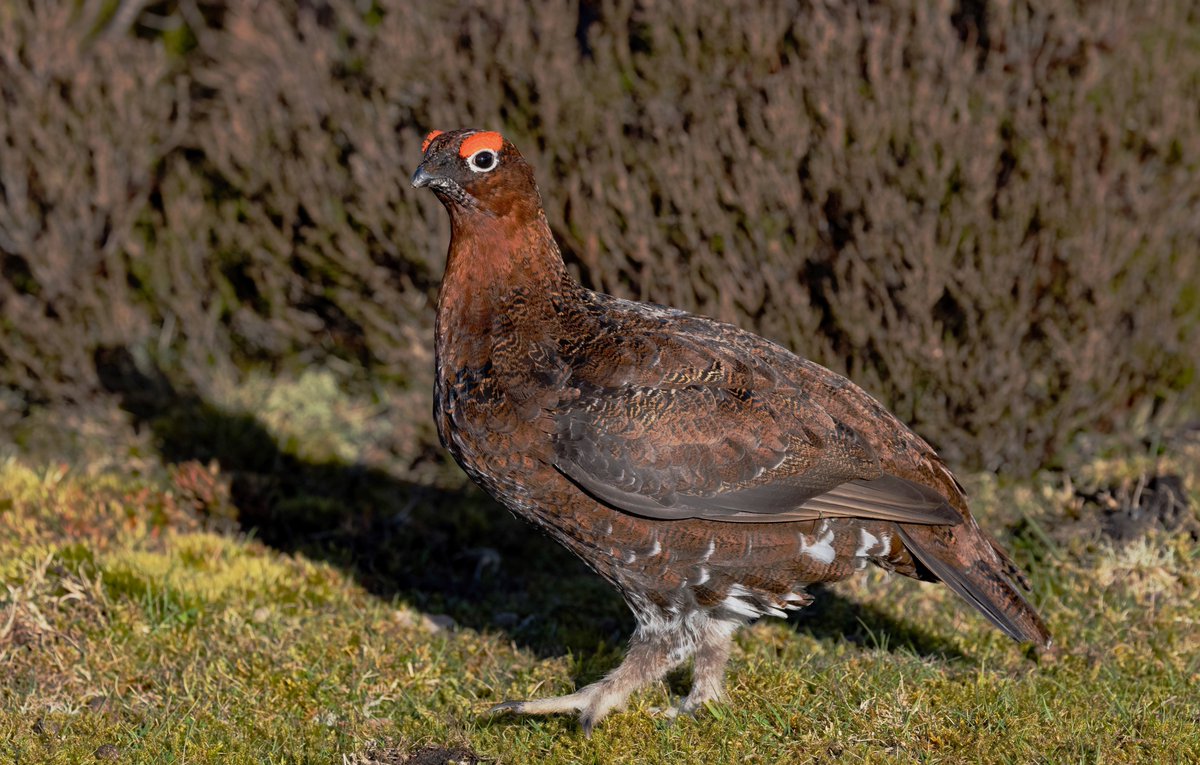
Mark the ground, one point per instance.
(279, 606)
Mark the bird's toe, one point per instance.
(514, 707)
(691, 707)
(587, 722)
(589, 718)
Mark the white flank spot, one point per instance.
(703, 575)
(656, 549)
(821, 550)
(630, 557)
(795, 599)
(712, 547)
(736, 602)
(866, 544)
(740, 607)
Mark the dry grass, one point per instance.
(129, 628)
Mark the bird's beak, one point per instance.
(432, 174)
(422, 177)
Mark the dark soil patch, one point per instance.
(427, 755)
(1130, 510)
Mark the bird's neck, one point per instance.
(496, 266)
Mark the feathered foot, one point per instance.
(649, 658)
(708, 673)
(651, 655)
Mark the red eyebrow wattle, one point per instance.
(429, 139)
(488, 140)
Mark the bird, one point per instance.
(707, 473)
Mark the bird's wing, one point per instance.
(691, 448)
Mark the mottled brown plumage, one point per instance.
(707, 473)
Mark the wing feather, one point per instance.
(713, 430)
(691, 455)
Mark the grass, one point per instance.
(137, 624)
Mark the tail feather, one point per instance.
(973, 565)
(1011, 569)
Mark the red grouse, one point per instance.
(707, 473)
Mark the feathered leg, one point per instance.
(651, 655)
(708, 674)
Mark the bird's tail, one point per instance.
(974, 565)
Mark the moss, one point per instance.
(174, 643)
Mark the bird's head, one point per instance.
(477, 171)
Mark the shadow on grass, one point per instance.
(444, 552)
(833, 617)
(453, 552)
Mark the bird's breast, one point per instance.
(492, 408)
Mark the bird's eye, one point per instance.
(483, 161)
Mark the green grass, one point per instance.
(127, 619)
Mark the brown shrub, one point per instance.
(83, 123)
(987, 213)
